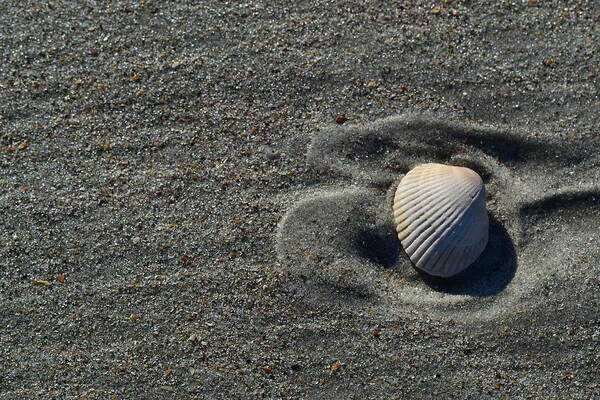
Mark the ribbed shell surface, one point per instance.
(441, 218)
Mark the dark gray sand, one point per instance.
(196, 199)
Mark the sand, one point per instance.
(196, 199)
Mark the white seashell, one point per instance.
(441, 218)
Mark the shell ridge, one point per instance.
(440, 217)
(410, 200)
(420, 193)
(449, 216)
(436, 238)
(471, 214)
(469, 248)
(422, 213)
(444, 263)
(452, 258)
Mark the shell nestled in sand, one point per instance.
(441, 218)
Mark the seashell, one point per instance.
(441, 218)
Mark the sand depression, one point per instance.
(338, 242)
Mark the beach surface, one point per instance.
(196, 199)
